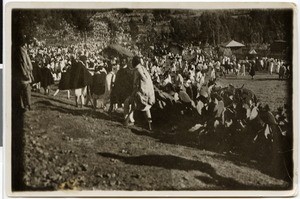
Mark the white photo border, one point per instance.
(9, 6)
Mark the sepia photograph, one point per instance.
(150, 98)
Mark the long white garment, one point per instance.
(243, 69)
(213, 74)
(110, 79)
(278, 67)
(271, 65)
(144, 96)
(198, 77)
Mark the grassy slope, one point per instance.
(268, 89)
(67, 147)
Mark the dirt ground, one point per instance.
(71, 148)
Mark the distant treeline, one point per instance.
(153, 26)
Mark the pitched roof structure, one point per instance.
(252, 52)
(232, 44)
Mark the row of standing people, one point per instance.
(102, 87)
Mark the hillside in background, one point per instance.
(143, 28)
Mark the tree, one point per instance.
(145, 19)
(160, 14)
(81, 19)
(182, 26)
(25, 23)
(134, 29)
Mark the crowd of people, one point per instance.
(170, 84)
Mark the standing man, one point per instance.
(24, 77)
(252, 70)
(80, 79)
(282, 72)
(98, 86)
(123, 83)
(271, 66)
(143, 96)
(109, 95)
(243, 68)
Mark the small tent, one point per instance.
(252, 52)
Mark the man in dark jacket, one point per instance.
(98, 85)
(81, 78)
(123, 83)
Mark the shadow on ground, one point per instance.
(274, 165)
(178, 163)
(88, 112)
(179, 138)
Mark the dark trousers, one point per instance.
(25, 95)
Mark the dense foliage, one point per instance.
(150, 26)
